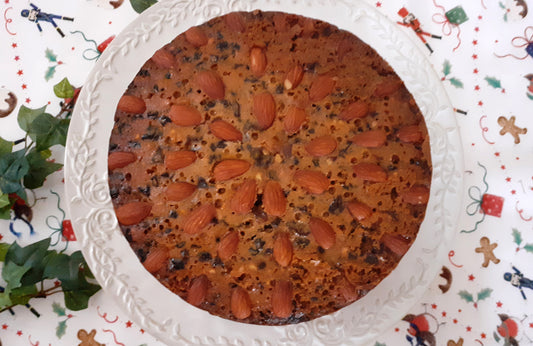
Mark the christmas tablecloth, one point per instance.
(483, 51)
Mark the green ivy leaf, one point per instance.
(58, 309)
(50, 73)
(64, 89)
(140, 6)
(517, 236)
(40, 168)
(55, 266)
(61, 329)
(77, 298)
(22, 295)
(5, 212)
(50, 55)
(4, 200)
(456, 82)
(5, 146)
(27, 115)
(484, 294)
(76, 288)
(466, 296)
(529, 247)
(5, 300)
(446, 67)
(34, 255)
(47, 131)
(3, 251)
(13, 167)
(13, 273)
(493, 82)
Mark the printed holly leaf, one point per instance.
(13, 167)
(40, 168)
(27, 115)
(456, 82)
(466, 296)
(379, 344)
(140, 6)
(484, 294)
(61, 329)
(501, 4)
(493, 82)
(58, 309)
(50, 73)
(517, 236)
(529, 247)
(5, 146)
(49, 54)
(446, 68)
(47, 131)
(64, 89)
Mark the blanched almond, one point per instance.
(293, 77)
(132, 213)
(410, 134)
(198, 290)
(258, 61)
(283, 249)
(131, 104)
(196, 36)
(183, 115)
(235, 22)
(321, 146)
(282, 299)
(322, 232)
(294, 119)
(395, 243)
(163, 58)
(228, 245)
(179, 191)
(225, 131)
(179, 159)
(211, 83)
(416, 195)
(120, 159)
(371, 139)
(241, 305)
(312, 181)
(156, 259)
(244, 198)
(359, 210)
(355, 110)
(229, 169)
(264, 109)
(387, 87)
(199, 218)
(274, 201)
(370, 172)
(348, 291)
(321, 87)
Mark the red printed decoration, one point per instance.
(492, 205)
(68, 232)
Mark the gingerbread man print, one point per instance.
(508, 126)
(488, 251)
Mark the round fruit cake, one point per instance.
(268, 168)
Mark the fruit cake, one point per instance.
(268, 168)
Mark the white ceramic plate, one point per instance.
(157, 309)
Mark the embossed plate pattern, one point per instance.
(164, 314)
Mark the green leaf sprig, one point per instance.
(28, 167)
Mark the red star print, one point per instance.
(476, 70)
(19, 332)
(378, 4)
(6, 1)
(502, 167)
(474, 56)
(508, 179)
(142, 331)
(471, 277)
(496, 154)
(480, 103)
(28, 100)
(474, 42)
(24, 86)
(17, 58)
(455, 320)
(57, 283)
(513, 192)
(4, 326)
(433, 306)
(476, 29)
(503, 91)
(444, 314)
(530, 325)
(483, 335)
(499, 304)
(20, 72)
(476, 87)
(128, 324)
(396, 329)
(479, 17)
(14, 45)
(468, 329)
